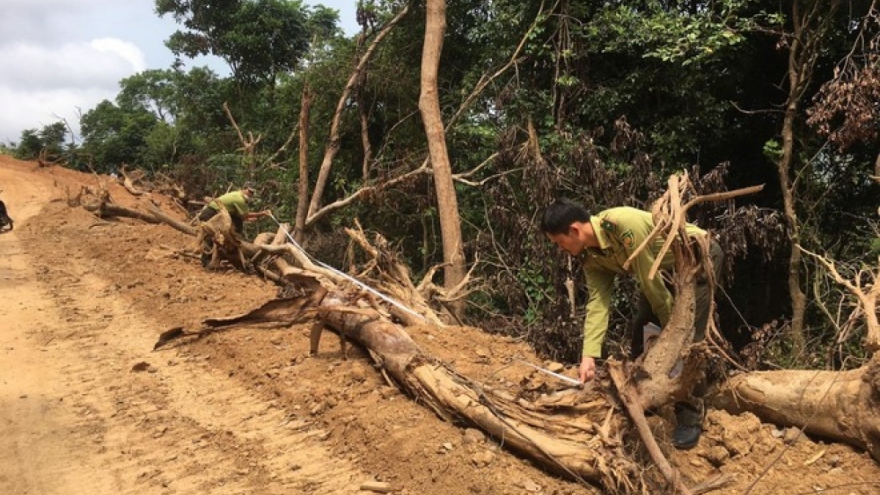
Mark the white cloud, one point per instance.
(35, 109)
(100, 63)
(124, 49)
(57, 56)
(39, 84)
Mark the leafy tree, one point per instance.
(115, 135)
(152, 90)
(49, 142)
(259, 39)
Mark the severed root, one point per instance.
(630, 398)
(216, 239)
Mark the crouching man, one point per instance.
(605, 241)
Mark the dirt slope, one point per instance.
(86, 406)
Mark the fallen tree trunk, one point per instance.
(568, 442)
(168, 219)
(840, 405)
(105, 209)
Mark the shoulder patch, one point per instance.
(628, 239)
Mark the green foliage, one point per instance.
(874, 247)
(113, 135)
(773, 150)
(535, 288)
(29, 145)
(670, 35)
(259, 39)
(48, 142)
(602, 102)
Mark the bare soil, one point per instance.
(87, 406)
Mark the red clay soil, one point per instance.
(89, 407)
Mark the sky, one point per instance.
(60, 58)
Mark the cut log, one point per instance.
(105, 209)
(168, 219)
(566, 441)
(840, 405)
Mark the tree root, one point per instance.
(630, 398)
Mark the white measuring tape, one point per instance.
(566, 379)
(346, 276)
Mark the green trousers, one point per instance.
(688, 412)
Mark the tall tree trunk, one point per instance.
(798, 298)
(365, 133)
(809, 23)
(429, 106)
(302, 204)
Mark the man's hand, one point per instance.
(266, 213)
(587, 370)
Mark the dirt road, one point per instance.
(86, 407)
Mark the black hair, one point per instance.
(559, 216)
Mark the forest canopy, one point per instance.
(599, 102)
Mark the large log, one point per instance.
(839, 405)
(168, 219)
(105, 209)
(579, 439)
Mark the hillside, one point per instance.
(89, 407)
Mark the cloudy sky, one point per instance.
(59, 58)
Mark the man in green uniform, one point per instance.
(605, 241)
(236, 203)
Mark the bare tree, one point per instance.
(302, 200)
(429, 105)
(810, 21)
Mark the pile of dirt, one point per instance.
(345, 403)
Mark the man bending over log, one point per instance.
(236, 203)
(605, 241)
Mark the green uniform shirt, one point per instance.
(619, 232)
(234, 202)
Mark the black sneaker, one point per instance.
(686, 437)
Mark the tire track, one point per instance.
(177, 426)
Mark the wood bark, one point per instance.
(128, 182)
(567, 443)
(657, 384)
(809, 20)
(173, 222)
(102, 206)
(303, 191)
(840, 405)
(631, 400)
(364, 115)
(429, 106)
